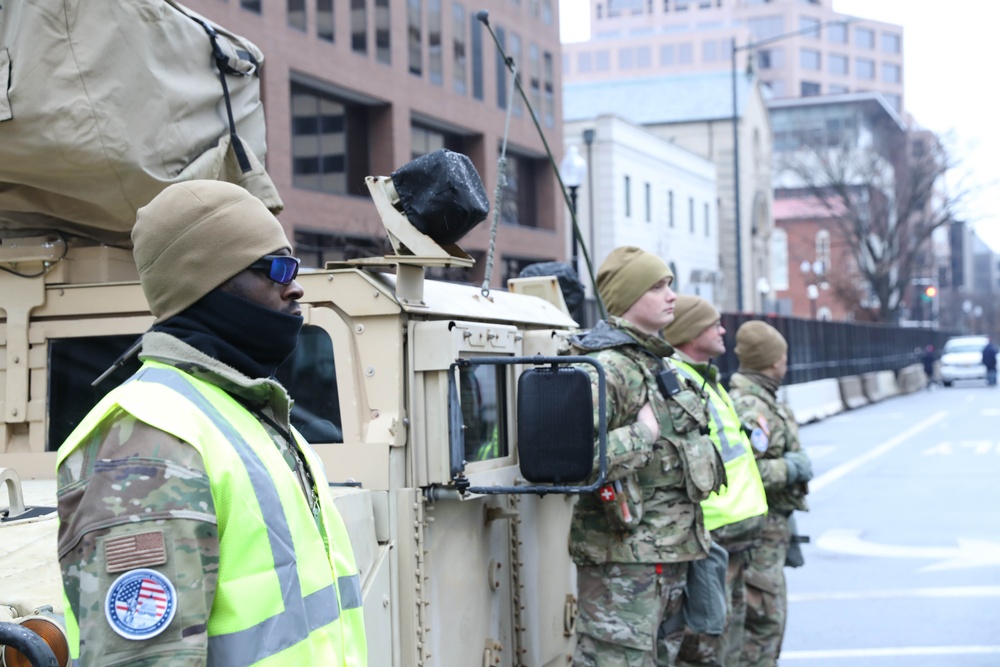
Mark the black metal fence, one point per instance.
(819, 349)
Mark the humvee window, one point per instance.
(73, 364)
(481, 391)
(310, 377)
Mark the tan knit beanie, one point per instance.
(759, 345)
(626, 274)
(196, 235)
(692, 315)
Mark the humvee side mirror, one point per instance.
(555, 426)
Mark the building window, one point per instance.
(548, 84)
(458, 64)
(667, 54)
(628, 197)
(823, 249)
(414, 36)
(809, 27)
(515, 54)
(765, 27)
(710, 51)
(424, 140)
(685, 54)
(836, 64)
(476, 31)
(359, 26)
(520, 194)
(708, 224)
(329, 142)
(315, 249)
(865, 69)
(649, 202)
(809, 59)
(691, 214)
(771, 58)
(837, 33)
(836, 89)
(864, 38)
(324, 20)
(603, 58)
(535, 76)
(296, 14)
(547, 12)
(809, 88)
(251, 5)
(383, 26)
(435, 44)
(670, 209)
(643, 57)
(625, 58)
(891, 73)
(891, 43)
(501, 67)
(584, 62)
(895, 101)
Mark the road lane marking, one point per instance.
(968, 553)
(848, 467)
(889, 652)
(897, 593)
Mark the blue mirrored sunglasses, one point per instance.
(282, 269)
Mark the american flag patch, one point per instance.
(128, 552)
(140, 604)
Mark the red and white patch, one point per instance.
(140, 604)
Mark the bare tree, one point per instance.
(885, 200)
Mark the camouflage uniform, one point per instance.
(767, 605)
(128, 479)
(704, 650)
(631, 580)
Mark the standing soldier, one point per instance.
(632, 541)
(195, 526)
(735, 515)
(785, 469)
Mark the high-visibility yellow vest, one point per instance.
(744, 496)
(299, 602)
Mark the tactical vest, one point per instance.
(744, 495)
(299, 604)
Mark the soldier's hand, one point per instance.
(648, 417)
(799, 467)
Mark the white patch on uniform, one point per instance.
(140, 604)
(759, 440)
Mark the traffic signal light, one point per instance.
(929, 293)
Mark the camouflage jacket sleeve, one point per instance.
(755, 414)
(131, 497)
(629, 441)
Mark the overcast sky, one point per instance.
(950, 73)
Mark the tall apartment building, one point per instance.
(359, 88)
(641, 38)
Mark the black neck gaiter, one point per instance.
(251, 338)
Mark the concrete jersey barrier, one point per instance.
(852, 391)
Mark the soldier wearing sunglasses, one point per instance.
(195, 523)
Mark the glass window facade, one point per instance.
(459, 62)
(296, 10)
(864, 38)
(892, 73)
(837, 64)
(891, 43)
(324, 20)
(809, 59)
(414, 36)
(329, 141)
(809, 27)
(864, 68)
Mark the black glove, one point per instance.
(799, 467)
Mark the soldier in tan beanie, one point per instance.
(198, 449)
(734, 516)
(632, 541)
(785, 469)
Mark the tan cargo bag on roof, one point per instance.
(103, 103)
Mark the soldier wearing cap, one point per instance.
(736, 514)
(632, 541)
(785, 470)
(195, 523)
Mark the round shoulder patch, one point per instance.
(759, 440)
(140, 604)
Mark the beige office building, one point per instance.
(360, 87)
(825, 55)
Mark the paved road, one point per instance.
(904, 565)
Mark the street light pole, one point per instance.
(572, 170)
(749, 46)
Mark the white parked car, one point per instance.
(962, 359)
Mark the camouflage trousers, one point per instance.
(630, 614)
(767, 598)
(702, 650)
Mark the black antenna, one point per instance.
(484, 17)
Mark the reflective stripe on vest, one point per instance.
(300, 615)
(744, 495)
